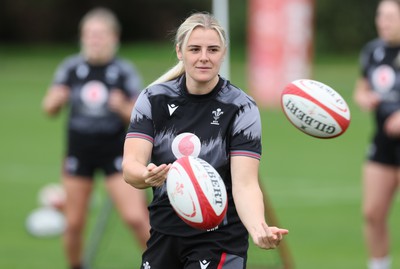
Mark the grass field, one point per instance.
(313, 184)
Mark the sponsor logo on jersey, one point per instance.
(82, 71)
(204, 264)
(383, 78)
(94, 94)
(112, 74)
(172, 108)
(186, 144)
(379, 54)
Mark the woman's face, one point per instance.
(98, 41)
(388, 21)
(202, 58)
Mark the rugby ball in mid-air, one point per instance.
(315, 108)
(197, 193)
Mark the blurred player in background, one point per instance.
(100, 89)
(192, 97)
(378, 90)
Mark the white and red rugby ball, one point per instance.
(315, 108)
(197, 193)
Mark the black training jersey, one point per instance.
(90, 88)
(380, 65)
(227, 123)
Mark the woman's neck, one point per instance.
(194, 87)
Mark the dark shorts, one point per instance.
(87, 154)
(384, 150)
(209, 251)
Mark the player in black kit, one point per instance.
(100, 90)
(378, 90)
(192, 98)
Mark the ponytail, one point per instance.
(174, 72)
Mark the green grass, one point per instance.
(313, 184)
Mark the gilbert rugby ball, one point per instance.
(315, 108)
(197, 193)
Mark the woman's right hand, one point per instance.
(55, 98)
(364, 97)
(155, 176)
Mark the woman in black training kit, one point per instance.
(193, 98)
(378, 90)
(100, 90)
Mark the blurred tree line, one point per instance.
(339, 27)
(57, 20)
(344, 26)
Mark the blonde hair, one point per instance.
(103, 14)
(204, 20)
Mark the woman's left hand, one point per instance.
(269, 237)
(392, 125)
(117, 101)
